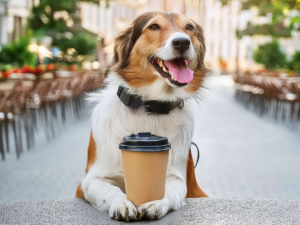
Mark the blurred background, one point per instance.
(247, 126)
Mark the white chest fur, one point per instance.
(112, 120)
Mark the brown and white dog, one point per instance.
(159, 57)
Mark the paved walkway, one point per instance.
(242, 155)
(50, 170)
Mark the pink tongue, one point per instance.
(180, 70)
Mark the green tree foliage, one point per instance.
(277, 11)
(290, 4)
(83, 43)
(270, 55)
(295, 62)
(17, 53)
(60, 19)
(53, 15)
(275, 30)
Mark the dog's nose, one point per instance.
(181, 44)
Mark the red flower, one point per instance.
(72, 67)
(38, 70)
(6, 74)
(50, 66)
(27, 69)
(16, 70)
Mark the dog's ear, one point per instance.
(200, 35)
(121, 51)
(126, 39)
(123, 47)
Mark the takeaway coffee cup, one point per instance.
(145, 160)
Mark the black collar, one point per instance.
(135, 101)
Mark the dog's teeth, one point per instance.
(161, 63)
(175, 79)
(164, 69)
(172, 76)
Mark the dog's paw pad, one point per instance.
(153, 210)
(123, 210)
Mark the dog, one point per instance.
(160, 59)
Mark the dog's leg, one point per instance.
(106, 195)
(103, 192)
(193, 189)
(175, 193)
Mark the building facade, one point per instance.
(13, 18)
(3, 21)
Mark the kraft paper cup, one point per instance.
(145, 160)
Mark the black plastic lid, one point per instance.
(145, 142)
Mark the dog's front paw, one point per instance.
(153, 210)
(122, 209)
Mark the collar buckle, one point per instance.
(148, 109)
(181, 104)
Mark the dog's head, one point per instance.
(161, 56)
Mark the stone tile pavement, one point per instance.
(242, 155)
(48, 171)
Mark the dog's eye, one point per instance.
(154, 27)
(189, 27)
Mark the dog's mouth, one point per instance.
(176, 70)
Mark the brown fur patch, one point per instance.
(91, 153)
(79, 192)
(193, 189)
(197, 81)
(90, 161)
(201, 71)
